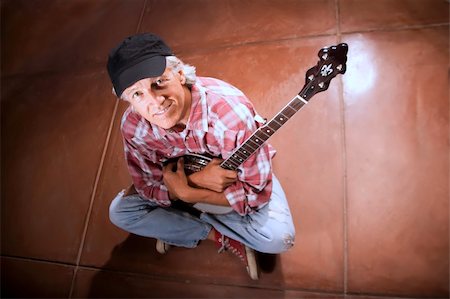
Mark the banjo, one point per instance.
(332, 61)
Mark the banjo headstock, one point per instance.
(332, 61)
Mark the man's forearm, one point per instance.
(195, 195)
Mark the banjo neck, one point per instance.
(262, 134)
(331, 63)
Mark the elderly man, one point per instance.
(172, 113)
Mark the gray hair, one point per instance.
(175, 64)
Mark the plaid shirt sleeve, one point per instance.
(145, 172)
(233, 119)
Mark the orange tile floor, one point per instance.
(364, 164)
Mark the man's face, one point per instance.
(164, 101)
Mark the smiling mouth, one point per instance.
(163, 111)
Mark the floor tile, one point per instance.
(106, 284)
(309, 147)
(396, 107)
(33, 279)
(362, 296)
(53, 132)
(358, 15)
(52, 35)
(209, 24)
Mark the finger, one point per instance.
(231, 174)
(180, 164)
(216, 161)
(229, 182)
(169, 167)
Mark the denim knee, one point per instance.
(115, 216)
(280, 241)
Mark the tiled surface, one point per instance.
(48, 35)
(92, 283)
(398, 181)
(356, 15)
(211, 24)
(364, 165)
(25, 279)
(103, 284)
(54, 129)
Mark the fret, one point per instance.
(233, 163)
(253, 143)
(261, 134)
(244, 151)
(290, 110)
(297, 105)
(281, 118)
(249, 148)
(266, 136)
(269, 131)
(257, 138)
(274, 125)
(226, 164)
(236, 157)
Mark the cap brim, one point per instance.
(148, 68)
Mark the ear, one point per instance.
(182, 77)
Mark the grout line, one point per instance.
(398, 28)
(94, 191)
(344, 159)
(37, 260)
(97, 178)
(141, 18)
(206, 49)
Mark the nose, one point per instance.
(154, 97)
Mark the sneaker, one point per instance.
(245, 254)
(162, 247)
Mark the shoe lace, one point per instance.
(225, 245)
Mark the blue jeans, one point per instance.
(268, 230)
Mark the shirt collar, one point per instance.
(198, 118)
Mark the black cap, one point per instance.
(137, 57)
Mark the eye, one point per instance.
(159, 83)
(136, 95)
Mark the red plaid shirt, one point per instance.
(221, 119)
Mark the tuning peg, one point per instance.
(339, 67)
(311, 77)
(321, 84)
(325, 56)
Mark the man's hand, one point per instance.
(180, 188)
(213, 177)
(175, 181)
